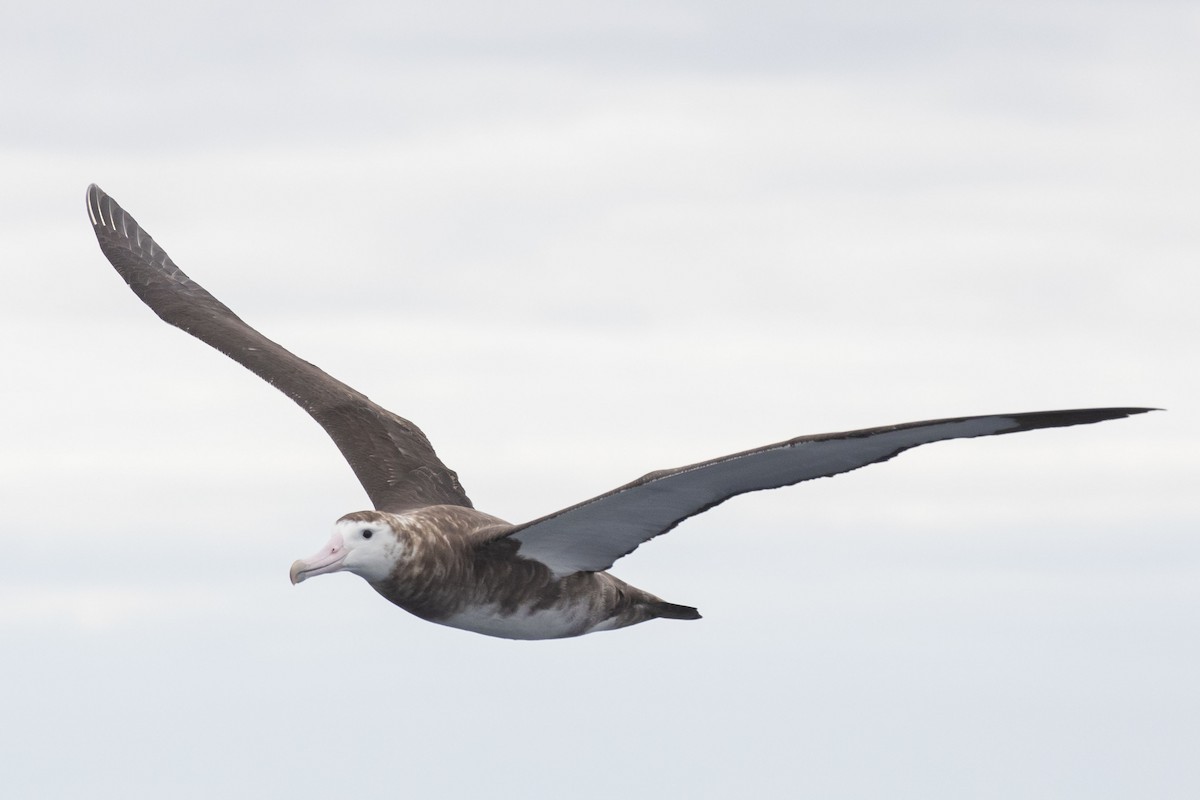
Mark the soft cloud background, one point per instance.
(576, 242)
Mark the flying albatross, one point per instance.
(425, 548)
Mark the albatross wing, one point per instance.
(390, 456)
(592, 535)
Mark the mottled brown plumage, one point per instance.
(458, 559)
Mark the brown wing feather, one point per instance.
(390, 455)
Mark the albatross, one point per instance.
(427, 549)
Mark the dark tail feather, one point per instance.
(667, 610)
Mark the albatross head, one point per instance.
(364, 543)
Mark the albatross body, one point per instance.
(459, 567)
(425, 547)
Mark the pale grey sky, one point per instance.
(577, 242)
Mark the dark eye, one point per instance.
(367, 534)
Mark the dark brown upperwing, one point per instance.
(391, 457)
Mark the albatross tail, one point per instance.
(665, 610)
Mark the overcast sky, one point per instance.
(575, 243)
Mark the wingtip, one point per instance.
(97, 199)
(106, 214)
(1082, 416)
(92, 199)
(1035, 420)
(1129, 412)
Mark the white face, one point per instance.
(368, 548)
(372, 548)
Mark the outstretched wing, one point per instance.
(592, 535)
(390, 456)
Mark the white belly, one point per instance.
(548, 623)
